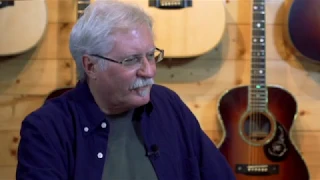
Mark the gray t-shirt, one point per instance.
(126, 156)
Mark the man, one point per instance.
(116, 124)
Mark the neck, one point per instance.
(106, 106)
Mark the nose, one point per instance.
(147, 69)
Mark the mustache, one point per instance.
(140, 82)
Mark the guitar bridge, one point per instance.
(256, 170)
(170, 4)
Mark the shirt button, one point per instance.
(86, 129)
(100, 155)
(103, 125)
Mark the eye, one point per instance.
(150, 56)
(131, 60)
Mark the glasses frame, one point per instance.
(121, 62)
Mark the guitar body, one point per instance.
(186, 31)
(276, 158)
(22, 25)
(304, 28)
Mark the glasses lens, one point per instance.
(158, 56)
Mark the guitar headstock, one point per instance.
(82, 5)
(170, 4)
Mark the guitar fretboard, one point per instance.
(82, 4)
(258, 91)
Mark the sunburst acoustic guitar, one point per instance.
(257, 120)
(304, 28)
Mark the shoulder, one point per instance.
(53, 118)
(168, 102)
(163, 93)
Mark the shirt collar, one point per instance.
(94, 116)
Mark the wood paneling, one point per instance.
(25, 80)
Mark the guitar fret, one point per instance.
(258, 61)
(255, 72)
(259, 57)
(258, 16)
(258, 77)
(254, 89)
(257, 99)
(258, 82)
(258, 47)
(260, 106)
(258, 103)
(255, 43)
(258, 32)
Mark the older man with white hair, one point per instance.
(116, 124)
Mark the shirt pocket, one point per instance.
(188, 169)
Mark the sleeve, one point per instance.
(38, 158)
(212, 163)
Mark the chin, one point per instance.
(142, 95)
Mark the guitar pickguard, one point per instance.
(278, 148)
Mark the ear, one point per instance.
(89, 67)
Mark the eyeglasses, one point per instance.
(153, 57)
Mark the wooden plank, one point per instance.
(55, 44)
(8, 172)
(63, 11)
(35, 77)
(9, 144)
(13, 109)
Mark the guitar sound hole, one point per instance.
(257, 127)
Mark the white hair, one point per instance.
(93, 32)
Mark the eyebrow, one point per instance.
(125, 56)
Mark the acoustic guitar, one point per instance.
(257, 120)
(304, 28)
(22, 25)
(186, 28)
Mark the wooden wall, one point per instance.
(27, 79)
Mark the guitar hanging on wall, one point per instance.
(186, 28)
(304, 28)
(22, 25)
(257, 120)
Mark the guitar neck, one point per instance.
(82, 4)
(258, 90)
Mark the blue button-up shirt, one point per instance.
(67, 138)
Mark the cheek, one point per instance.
(124, 80)
(154, 68)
